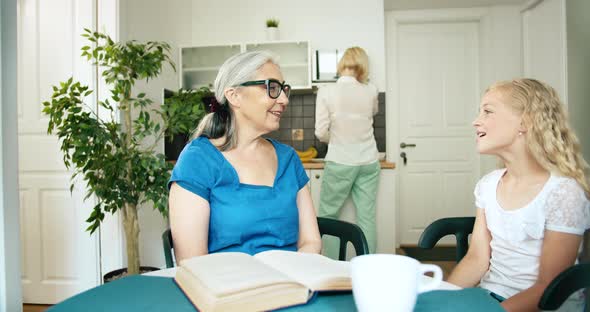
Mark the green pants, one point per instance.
(338, 183)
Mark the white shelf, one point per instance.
(201, 69)
(200, 64)
(294, 65)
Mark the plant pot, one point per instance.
(173, 149)
(120, 273)
(272, 33)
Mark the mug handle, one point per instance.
(436, 279)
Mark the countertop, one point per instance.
(319, 164)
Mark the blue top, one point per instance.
(243, 217)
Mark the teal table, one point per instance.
(153, 293)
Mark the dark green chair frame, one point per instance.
(345, 231)
(461, 227)
(168, 244)
(561, 287)
(566, 283)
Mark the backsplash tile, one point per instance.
(300, 114)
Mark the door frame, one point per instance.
(10, 270)
(393, 19)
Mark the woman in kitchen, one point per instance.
(344, 120)
(232, 189)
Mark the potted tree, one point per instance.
(272, 29)
(181, 112)
(111, 157)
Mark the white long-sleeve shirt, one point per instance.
(344, 120)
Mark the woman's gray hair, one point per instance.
(234, 71)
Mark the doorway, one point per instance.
(433, 86)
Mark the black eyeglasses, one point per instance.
(273, 87)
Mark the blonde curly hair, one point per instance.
(551, 141)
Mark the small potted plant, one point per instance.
(272, 29)
(181, 112)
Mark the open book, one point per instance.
(272, 279)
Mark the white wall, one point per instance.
(501, 56)
(10, 284)
(556, 50)
(544, 40)
(327, 24)
(578, 70)
(155, 20)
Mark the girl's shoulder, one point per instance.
(485, 189)
(566, 206)
(563, 188)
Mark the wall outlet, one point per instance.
(297, 134)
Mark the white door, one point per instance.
(438, 96)
(59, 258)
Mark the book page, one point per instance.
(313, 270)
(228, 273)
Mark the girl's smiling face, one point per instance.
(497, 126)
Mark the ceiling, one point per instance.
(439, 4)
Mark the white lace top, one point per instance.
(517, 235)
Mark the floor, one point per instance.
(35, 307)
(446, 266)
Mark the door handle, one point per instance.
(404, 145)
(404, 157)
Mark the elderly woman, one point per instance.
(232, 189)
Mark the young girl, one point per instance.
(532, 214)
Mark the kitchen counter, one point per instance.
(319, 164)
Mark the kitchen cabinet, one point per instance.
(199, 64)
(385, 215)
(294, 59)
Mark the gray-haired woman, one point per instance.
(232, 189)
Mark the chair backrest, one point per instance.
(461, 227)
(346, 232)
(168, 245)
(566, 283)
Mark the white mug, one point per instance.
(384, 282)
